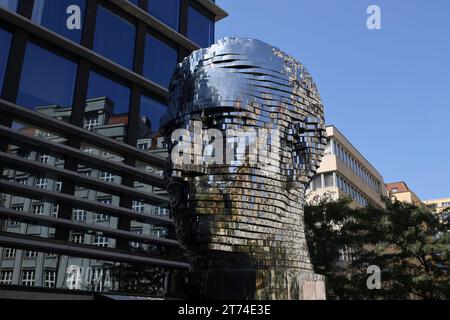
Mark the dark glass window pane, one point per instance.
(135, 2)
(119, 95)
(200, 28)
(47, 79)
(160, 61)
(153, 111)
(5, 41)
(114, 37)
(167, 11)
(107, 109)
(10, 4)
(53, 15)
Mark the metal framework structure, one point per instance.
(23, 30)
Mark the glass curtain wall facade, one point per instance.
(82, 204)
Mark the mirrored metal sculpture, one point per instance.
(245, 130)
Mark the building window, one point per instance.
(329, 181)
(100, 241)
(43, 134)
(86, 173)
(28, 278)
(328, 148)
(77, 238)
(317, 182)
(53, 15)
(333, 147)
(138, 206)
(106, 176)
(42, 183)
(47, 79)
(6, 277)
(160, 143)
(79, 215)
(89, 149)
(153, 111)
(38, 209)
(114, 37)
(50, 279)
(98, 277)
(9, 4)
(143, 145)
(105, 153)
(158, 211)
(137, 231)
(5, 41)
(13, 223)
(17, 207)
(160, 60)
(58, 186)
(23, 181)
(159, 232)
(200, 28)
(45, 158)
(55, 211)
(9, 253)
(51, 255)
(105, 201)
(30, 254)
(101, 216)
(100, 86)
(90, 123)
(446, 204)
(167, 11)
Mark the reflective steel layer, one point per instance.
(244, 210)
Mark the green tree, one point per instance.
(410, 244)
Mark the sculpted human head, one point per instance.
(245, 129)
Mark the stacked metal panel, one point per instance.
(245, 128)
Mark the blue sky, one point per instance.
(387, 90)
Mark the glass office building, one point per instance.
(83, 85)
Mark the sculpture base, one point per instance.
(255, 284)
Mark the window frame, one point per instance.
(30, 278)
(120, 13)
(103, 243)
(6, 280)
(37, 208)
(166, 41)
(203, 11)
(9, 253)
(49, 278)
(57, 50)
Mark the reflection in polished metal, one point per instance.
(242, 220)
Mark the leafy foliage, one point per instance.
(410, 244)
(132, 279)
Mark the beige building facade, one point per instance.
(401, 192)
(439, 204)
(345, 173)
